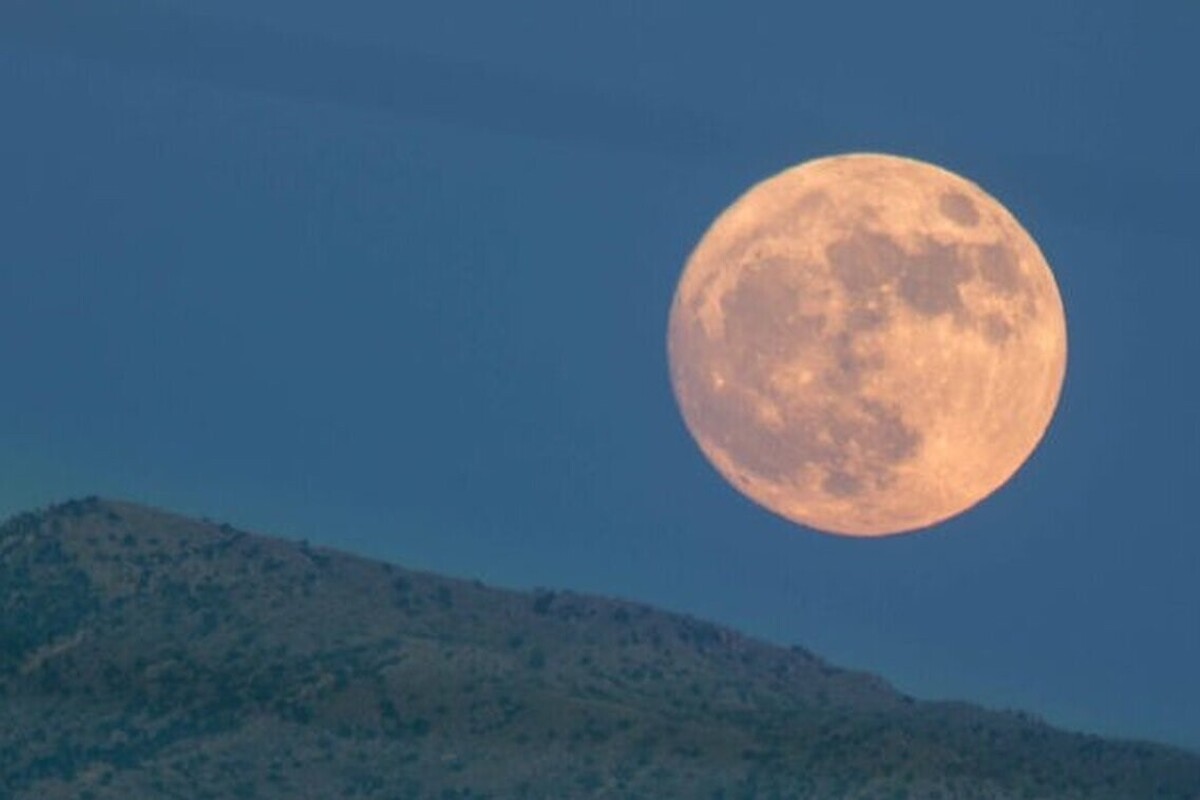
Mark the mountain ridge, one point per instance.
(147, 654)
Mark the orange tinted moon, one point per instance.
(866, 344)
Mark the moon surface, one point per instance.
(867, 344)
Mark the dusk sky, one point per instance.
(394, 277)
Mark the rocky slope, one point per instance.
(147, 655)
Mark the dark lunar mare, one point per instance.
(764, 328)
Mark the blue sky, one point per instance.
(395, 278)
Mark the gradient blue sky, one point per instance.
(395, 277)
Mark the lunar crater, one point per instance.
(958, 208)
(999, 267)
(930, 279)
(863, 262)
(996, 329)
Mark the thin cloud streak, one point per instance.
(141, 36)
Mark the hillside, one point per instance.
(147, 655)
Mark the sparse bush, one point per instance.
(542, 601)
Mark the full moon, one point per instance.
(867, 344)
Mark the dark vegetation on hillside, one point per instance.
(147, 655)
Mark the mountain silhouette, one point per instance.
(148, 655)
